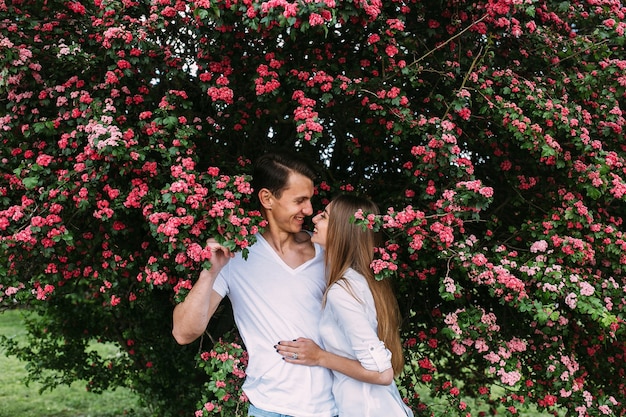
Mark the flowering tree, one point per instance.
(491, 132)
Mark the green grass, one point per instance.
(19, 400)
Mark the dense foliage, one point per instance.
(490, 132)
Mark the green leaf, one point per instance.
(31, 182)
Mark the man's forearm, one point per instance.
(191, 317)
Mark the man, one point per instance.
(276, 295)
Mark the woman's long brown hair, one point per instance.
(349, 245)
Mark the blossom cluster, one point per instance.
(225, 363)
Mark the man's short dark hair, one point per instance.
(272, 171)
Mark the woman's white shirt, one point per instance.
(349, 328)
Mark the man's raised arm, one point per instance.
(192, 316)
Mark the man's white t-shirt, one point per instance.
(272, 302)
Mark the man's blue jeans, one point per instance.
(257, 412)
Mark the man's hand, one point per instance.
(220, 255)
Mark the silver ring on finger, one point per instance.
(294, 356)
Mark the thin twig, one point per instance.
(448, 41)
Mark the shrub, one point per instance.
(492, 133)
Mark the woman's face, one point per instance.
(320, 231)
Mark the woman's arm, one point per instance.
(310, 354)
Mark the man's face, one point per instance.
(294, 205)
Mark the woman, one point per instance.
(359, 325)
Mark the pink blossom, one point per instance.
(12, 290)
(571, 300)
(391, 50)
(586, 289)
(458, 348)
(464, 113)
(492, 357)
(486, 192)
(605, 409)
(509, 378)
(44, 160)
(479, 259)
(539, 246)
(449, 285)
(609, 23)
(445, 233)
(182, 284)
(315, 19)
(481, 346)
(373, 38)
(115, 300)
(43, 293)
(396, 24)
(517, 345)
(224, 94)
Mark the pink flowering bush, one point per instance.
(225, 364)
(491, 135)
